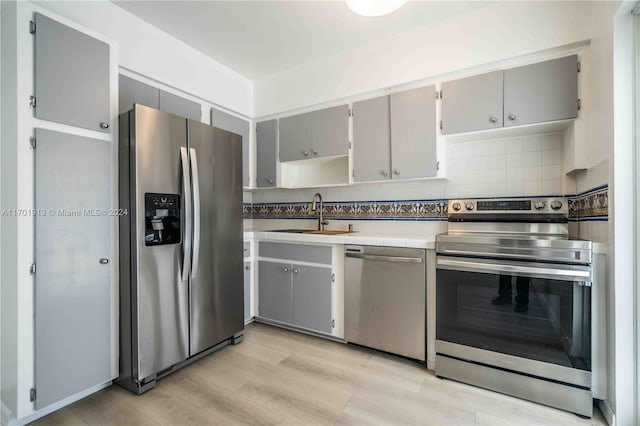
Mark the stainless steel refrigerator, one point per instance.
(181, 275)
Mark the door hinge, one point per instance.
(32, 142)
(349, 144)
(333, 323)
(32, 101)
(32, 269)
(32, 394)
(437, 165)
(350, 112)
(578, 66)
(440, 124)
(32, 27)
(579, 104)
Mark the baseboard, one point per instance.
(5, 414)
(607, 412)
(58, 405)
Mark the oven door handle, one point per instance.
(540, 271)
(397, 259)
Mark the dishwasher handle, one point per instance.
(397, 259)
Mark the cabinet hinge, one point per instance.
(32, 269)
(440, 94)
(32, 27)
(578, 66)
(437, 95)
(333, 278)
(32, 394)
(579, 104)
(32, 142)
(333, 323)
(437, 165)
(353, 173)
(349, 144)
(32, 101)
(440, 124)
(350, 112)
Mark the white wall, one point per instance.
(146, 50)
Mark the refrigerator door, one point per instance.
(161, 332)
(216, 296)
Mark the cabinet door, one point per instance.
(413, 133)
(473, 103)
(371, 140)
(266, 156)
(311, 304)
(330, 132)
(247, 291)
(132, 92)
(71, 76)
(240, 127)
(176, 105)
(541, 92)
(73, 290)
(274, 291)
(295, 137)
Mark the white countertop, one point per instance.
(359, 238)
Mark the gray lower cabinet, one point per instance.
(174, 104)
(240, 127)
(330, 132)
(371, 150)
(247, 291)
(266, 153)
(274, 294)
(71, 76)
(73, 287)
(545, 91)
(131, 92)
(413, 134)
(295, 137)
(311, 300)
(472, 103)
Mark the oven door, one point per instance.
(533, 318)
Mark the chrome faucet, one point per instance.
(317, 198)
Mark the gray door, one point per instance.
(247, 291)
(158, 286)
(295, 137)
(541, 92)
(413, 133)
(71, 76)
(266, 153)
(472, 103)
(131, 92)
(311, 302)
(216, 295)
(371, 140)
(274, 291)
(240, 127)
(72, 285)
(173, 104)
(330, 132)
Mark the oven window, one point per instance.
(541, 319)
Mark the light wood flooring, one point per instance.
(277, 376)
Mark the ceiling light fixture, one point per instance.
(374, 7)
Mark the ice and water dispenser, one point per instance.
(161, 219)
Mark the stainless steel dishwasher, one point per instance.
(385, 299)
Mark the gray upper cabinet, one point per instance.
(240, 127)
(545, 91)
(274, 291)
(173, 104)
(131, 92)
(295, 137)
(266, 153)
(311, 300)
(371, 137)
(330, 132)
(413, 133)
(472, 103)
(71, 76)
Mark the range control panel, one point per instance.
(511, 206)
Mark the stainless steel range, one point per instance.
(514, 301)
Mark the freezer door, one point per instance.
(216, 296)
(159, 290)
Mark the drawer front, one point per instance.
(246, 249)
(298, 252)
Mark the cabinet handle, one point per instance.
(247, 267)
(315, 152)
(296, 270)
(270, 180)
(103, 261)
(396, 172)
(104, 125)
(512, 117)
(286, 269)
(306, 153)
(384, 173)
(493, 119)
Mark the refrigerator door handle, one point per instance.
(195, 179)
(186, 240)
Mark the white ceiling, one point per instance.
(259, 38)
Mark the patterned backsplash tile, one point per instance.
(590, 205)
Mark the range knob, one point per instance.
(456, 206)
(469, 206)
(539, 205)
(556, 204)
